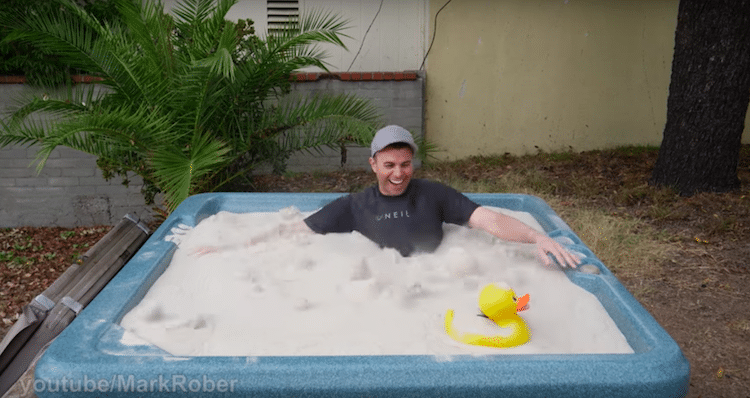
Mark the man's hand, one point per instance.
(546, 245)
(201, 251)
(508, 228)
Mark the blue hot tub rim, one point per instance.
(91, 348)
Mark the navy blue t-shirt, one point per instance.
(411, 222)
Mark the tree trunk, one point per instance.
(708, 97)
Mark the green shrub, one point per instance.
(37, 65)
(191, 102)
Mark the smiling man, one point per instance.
(399, 212)
(408, 214)
(391, 152)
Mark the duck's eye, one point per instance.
(514, 298)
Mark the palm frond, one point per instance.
(219, 63)
(135, 129)
(201, 100)
(22, 134)
(193, 12)
(150, 30)
(69, 34)
(178, 171)
(316, 26)
(128, 72)
(298, 39)
(202, 23)
(307, 123)
(319, 106)
(331, 132)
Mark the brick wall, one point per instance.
(70, 190)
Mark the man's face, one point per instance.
(393, 168)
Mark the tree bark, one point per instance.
(708, 97)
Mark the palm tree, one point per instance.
(190, 102)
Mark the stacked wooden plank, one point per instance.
(53, 310)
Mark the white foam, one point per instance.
(339, 294)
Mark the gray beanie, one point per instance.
(390, 135)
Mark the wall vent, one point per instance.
(280, 12)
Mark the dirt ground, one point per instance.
(700, 294)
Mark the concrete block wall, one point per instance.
(70, 190)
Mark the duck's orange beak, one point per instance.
(523, 303)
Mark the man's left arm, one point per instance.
(508, 228)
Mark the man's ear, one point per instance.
(373, 164)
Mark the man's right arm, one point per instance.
(333, 217)
(283, 230)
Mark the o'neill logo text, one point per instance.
(395, 214)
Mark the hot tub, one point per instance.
(91, 357)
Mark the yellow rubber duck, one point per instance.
(501, 306)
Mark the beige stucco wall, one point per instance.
(394, 31)
(513, 75)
